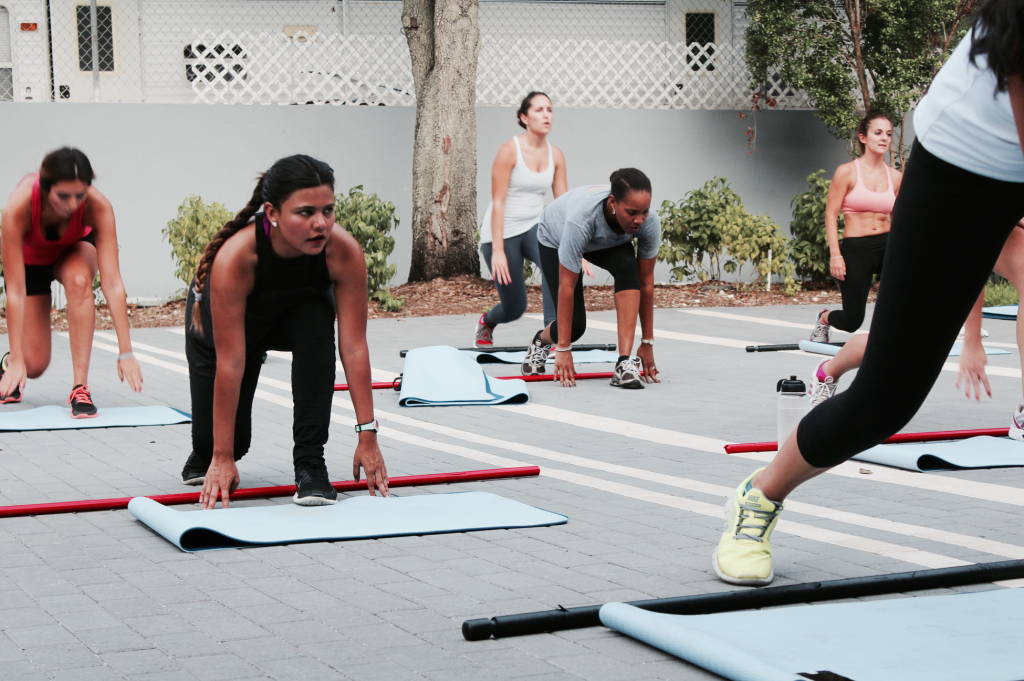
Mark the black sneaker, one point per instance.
(81, 403)
(627, 374)
(194, 472)
(313, 487)
(536, 357)
(14, 396)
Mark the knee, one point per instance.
(579, 327)
(514, 309)
(34, 367)
(78, 285)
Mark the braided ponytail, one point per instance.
(206, 262)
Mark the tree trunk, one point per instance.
(444, 42)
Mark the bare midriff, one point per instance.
(865, 224)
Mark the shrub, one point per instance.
(1001, 293)
(369, 220)
(189, 233)
(750, 238)
(689, 231)
(809, 249)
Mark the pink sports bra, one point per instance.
(37, 249)
(863, 200)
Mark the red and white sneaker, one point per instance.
(822, 385)
(81, 403)
(484, 334)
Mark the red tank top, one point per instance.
(37, 250)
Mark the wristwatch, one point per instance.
(372, 425)
(647, 341)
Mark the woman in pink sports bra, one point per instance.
(58, 226)
(865, 191)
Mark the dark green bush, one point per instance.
(809, 248)
(369, 220)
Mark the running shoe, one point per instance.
(14, 396)
(536, 356)
(1017, 423)
(822, 332)
(313, 487)
(194, 472)
(484, 334)
(81, 403)
(823, 386)
(744, 553)
(627, 374)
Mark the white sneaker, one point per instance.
(822, 332)
(627, 374)
(536, 357)
(823, 386)
(1017, 423)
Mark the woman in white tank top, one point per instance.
(526, 166)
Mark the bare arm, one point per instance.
(565, 371)
(17, 223)
(347, 267)
(972, 358)
(645, 351)
(560, 184)
(841, 184)
(99, 214)
(501, 173)
(1016, 88)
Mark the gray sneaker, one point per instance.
(822, 386)
(536, 357)
(627, 374)
(484, 334)
(822, 332)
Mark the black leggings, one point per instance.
(945, 216)
(518, 249)
(620, 261)
(307, 330)
(863, 256)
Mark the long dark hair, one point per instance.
(865, 124)
(524, 107)
(626, 180)
(274, 187)
(64, 165)
(997, 35)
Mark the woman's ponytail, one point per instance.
(206, 262)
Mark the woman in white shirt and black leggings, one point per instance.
(526, 166)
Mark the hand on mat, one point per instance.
(221, 477)
(838, 268)
(646, 355)
(565, 371)
(499, 268)
(14, 377)
(369, 458)
(130, 369)
(587, 269)
(972, 370)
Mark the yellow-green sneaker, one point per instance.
(744, 554)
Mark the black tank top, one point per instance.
(280, 283)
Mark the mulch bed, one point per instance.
(474, 295)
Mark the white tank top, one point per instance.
(525, 200)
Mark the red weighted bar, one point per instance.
(265, 492)
(898, 438)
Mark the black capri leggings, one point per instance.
(864, 256)
(620, 261)
(944, 216)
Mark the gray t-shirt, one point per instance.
(574, 224)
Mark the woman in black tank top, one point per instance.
(276, 278)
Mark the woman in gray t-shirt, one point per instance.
(600, 221)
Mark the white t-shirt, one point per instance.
(964, 122)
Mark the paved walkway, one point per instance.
(641, 475)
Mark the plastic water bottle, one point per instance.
(793, 404)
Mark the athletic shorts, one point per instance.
(39, 277)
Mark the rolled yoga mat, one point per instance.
(59, 418)
(362, 517)
(953, 637)
(583, 357)
(440, 376)
(975, 452)
(955, 351)
(1000, 312)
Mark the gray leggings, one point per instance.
(513, 296)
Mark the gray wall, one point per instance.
(149, 157)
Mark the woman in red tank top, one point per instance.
(58, 226)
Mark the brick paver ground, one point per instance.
(99, 596)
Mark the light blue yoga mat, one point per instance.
(440, 376)
(1000, 312)
(361, 517)
(958, 637)
(955, 351)
(975, 452)
(59, 418)
(584, 357)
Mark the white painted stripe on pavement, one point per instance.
(756, 320)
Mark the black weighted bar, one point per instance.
(749, 599)
(787, 346)
(610, 347)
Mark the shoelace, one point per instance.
(630, 365)
(81, 393)
(822, 390)
(754, 514)
(538, 355)
(485, 334)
